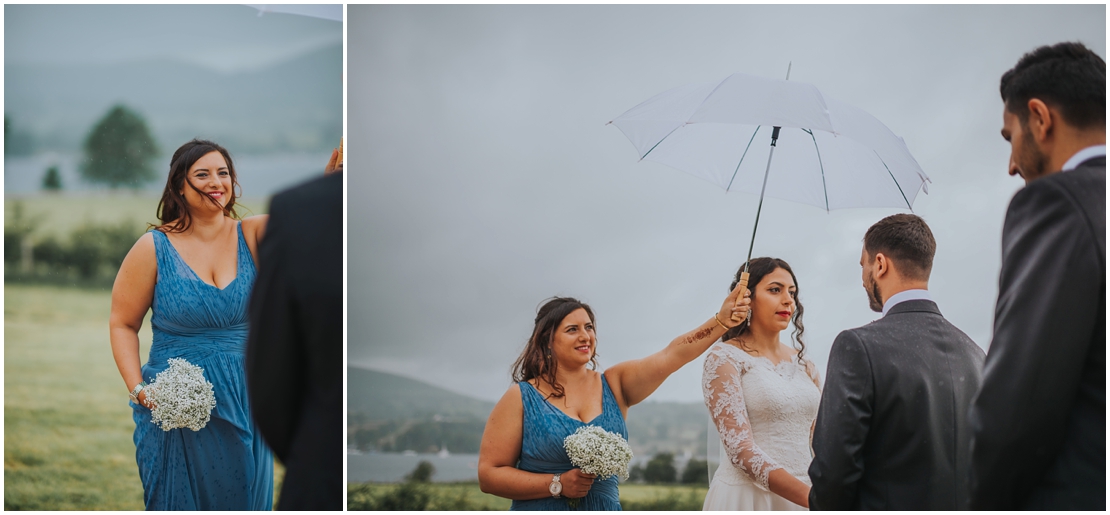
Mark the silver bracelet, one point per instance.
(135, 393)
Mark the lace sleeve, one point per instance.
(725, 399)
(811, 370)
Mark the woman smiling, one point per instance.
(558, 390)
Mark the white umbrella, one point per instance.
(833, 155)
(332, 12)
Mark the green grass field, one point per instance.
(60, 214)
(467, 496)
(67, 423)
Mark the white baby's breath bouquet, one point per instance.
(597, 451)
(181, 397)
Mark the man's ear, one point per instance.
(1041, 120)
(882, 265)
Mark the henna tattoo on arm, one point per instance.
(699, 335)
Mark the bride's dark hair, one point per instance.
(757, 269)
(536, 361)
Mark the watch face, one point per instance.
(555, 488)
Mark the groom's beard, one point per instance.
(874, 297)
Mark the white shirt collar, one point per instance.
(1083, 155)
(903, 296)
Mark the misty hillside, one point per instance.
(293, 105)
(389, 412)
(380, 396)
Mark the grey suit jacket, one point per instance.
(892, 426)
(1039, 422)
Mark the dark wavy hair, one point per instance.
(1068, 76)
(173, 212)
(757, 269)
(536, 361)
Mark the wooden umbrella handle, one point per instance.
(742, 284)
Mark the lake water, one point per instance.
(389, 467)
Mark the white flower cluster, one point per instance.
(181, 396)
(597, 451)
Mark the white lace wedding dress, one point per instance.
(764, 414)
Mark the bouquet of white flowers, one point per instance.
(597, 451)
(181, 397)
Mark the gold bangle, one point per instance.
(726, 328)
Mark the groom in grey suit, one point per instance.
(891, 430)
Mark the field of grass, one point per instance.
(60, 214)
(467, 496)
(67, 423)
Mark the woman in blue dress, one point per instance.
(194, 272)
(559, 390)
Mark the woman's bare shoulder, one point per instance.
(256, 222)
(254, 227)
(511, 401)
(144, 246)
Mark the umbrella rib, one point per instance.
(742, 156)
(660, 141)
(908, 206)
(822, 165)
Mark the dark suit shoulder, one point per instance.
(328, 188)
(1072, 200)
(905, 322)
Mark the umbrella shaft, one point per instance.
(774, 139)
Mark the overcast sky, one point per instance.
(484, 179)
(222, 37)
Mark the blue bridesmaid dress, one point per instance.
(542, 451)
(226, 465)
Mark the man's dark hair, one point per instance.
(1067, 76)
(907, 241)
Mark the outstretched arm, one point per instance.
(632, 381)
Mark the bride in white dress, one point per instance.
(763, 397)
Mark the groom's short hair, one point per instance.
(906, 240)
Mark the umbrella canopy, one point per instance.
(831, 155)
(328, 12)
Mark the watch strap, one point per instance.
(134, 395)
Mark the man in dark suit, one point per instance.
(1039, 422)
(295, 348)
(891, 431)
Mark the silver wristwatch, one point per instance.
(555, 487)
(135, 393)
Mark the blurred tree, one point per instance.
(422, 473)
(52, 181)
(695, 473)
(660, 469)
(636, 474)
(18, 228)
(95, 246)
(118, 150)
(16, 142)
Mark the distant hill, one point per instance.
(381, 396)
(295, 105)
(398, 413)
